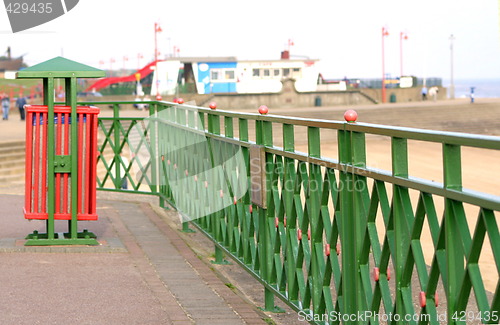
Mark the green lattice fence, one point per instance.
(335, 239)
(126, 154)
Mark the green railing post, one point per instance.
(315, 222)
(351, 146)
(48, 99)
(117, 147)
(155, 159)
(219, 257)
(185, 117)
(264, 236)
(403, 223)
(264, 136)
(246, 220)
(452, 177)
(218, 216)
(361, 203)
(292, 239)
(71, 101)
(347, 227)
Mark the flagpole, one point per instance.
(139, 57)
(384, 34)
(157, 29)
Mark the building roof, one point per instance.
(60, 67)
(11, 64)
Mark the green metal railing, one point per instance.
(336, 240)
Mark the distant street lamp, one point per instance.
(111, 61)
(176, 51)
(139, 57)
(384, 34)
(125, 59)
(452, 84)
(402, 36)
(157, 30)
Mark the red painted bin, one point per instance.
(36, 200)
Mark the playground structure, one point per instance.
(135, 77)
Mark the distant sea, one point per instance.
(483, 88)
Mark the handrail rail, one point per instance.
(310, 205)
(464, 139)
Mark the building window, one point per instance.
(296, 73)
(222, 75)
(229, 75)
(276, 73)
(214, 75)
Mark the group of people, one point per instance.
(432, 92)
(5, 102)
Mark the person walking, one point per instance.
(20, 103)
(5, 105)
(424, 93)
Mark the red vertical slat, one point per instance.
(80, 162)
(67, 138)
(36, 162)
(88, 168)
(93, 167)
(28, 186)
(58, 152)
(44, 164)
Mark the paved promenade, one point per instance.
(142, 273)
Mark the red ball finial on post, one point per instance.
(263, 110)
(351, 116)
(212, 105)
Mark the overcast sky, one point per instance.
(344, 35)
